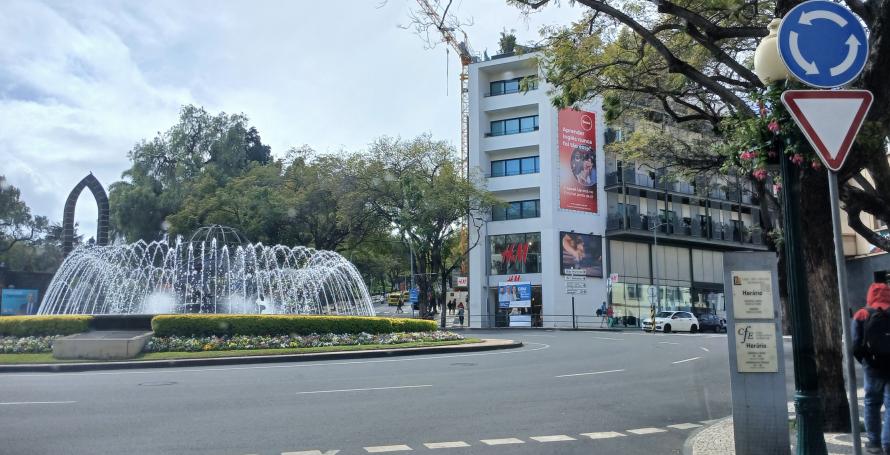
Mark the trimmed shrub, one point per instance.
(25, 326)
(249, 324)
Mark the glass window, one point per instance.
(512, 167)
(514, 211)
(511, 86)
(528, 123)
(530, 165)
(515, 253)
(511, 126)
(496, 88)
(497, 168)
(497, 128)
(499, 213)
(530, 209)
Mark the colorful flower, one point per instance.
(759, 174)
(774, 126)
(816, 165)
(797, 159)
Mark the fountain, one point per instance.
(216, 271)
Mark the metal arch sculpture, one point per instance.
(95, 187)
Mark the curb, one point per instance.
(690, 440)
(486, 345)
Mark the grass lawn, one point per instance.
(48, 357)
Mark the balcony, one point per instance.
(521, 139)
(645, 180)
(513, 182)
(634, 225)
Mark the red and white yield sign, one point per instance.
(830, 119)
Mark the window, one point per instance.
(512, 85)
(515, 166)
(517, 210)
(515, 253)
(514, 125)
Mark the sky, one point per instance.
(82, 82)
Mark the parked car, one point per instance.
(672, 321)
(711, 323)
(376, 299)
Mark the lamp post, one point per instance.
(654, 230)
(770, 69)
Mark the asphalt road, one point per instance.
(563, 393)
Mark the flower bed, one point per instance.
(245, 342)
(26, 345)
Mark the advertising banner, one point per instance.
(577, 160)
(19, 301)
(581, 251)
(514, 295)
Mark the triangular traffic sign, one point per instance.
(830, 120)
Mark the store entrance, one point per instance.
(530, 316)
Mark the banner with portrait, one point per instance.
(514, 295)
(581, 251)
(19, 301)
(577, 160)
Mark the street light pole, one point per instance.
(654, 230)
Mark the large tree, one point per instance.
(694, 59)
(17, 224)
(417, 188)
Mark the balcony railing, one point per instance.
(510, 91)
(685, 227)
(507, 133)
(647, 181)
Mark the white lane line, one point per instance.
(311, 452)
(381, 449)
(554, 438)
(500, 442)
(542, 346)
(686, 360)
(667, 342)
(607, 338)
(12, 403)
(366, 389)
(648, 430)
(544, 336)
(684, 426)
(603, 435)
(704, 349)
(445, 445)
(588, 374)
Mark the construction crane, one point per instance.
(466, 57)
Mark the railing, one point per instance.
(685, 227)
(507, 133)
(510, 91)
(646, 181)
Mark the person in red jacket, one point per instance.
(877, 372)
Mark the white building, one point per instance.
(558, 216)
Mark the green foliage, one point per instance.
(16, 222)
(219, 325)
(24, 326)
(507, 42)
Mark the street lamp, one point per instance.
(654, 230)
(770, 69)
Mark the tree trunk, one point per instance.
(818, 251)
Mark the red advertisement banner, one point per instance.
(577, 160)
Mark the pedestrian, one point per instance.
(399, 305)
(601, 312)
(871, 347)
(609, 314)
(460, 313)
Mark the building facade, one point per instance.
(572, 216)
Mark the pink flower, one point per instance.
(749, 155)
(797, 159)
(773, 126)
(759, 174)
(777, 187)
(816, 165)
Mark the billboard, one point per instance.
(577, 160)
(581, 251)
(514, 295)
(19, 301)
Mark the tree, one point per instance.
(693, 60)
(507, 42)
(16, 222)
(165, 168)
(416, 187)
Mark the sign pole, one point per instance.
(845, 316)
(574, 325)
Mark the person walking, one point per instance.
(871, 347)
(460, 313)
(399, 305)
(609, 315)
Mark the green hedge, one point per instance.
(23, 326)
(248, 324)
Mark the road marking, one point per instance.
(603, 435)
(686, 360)
(704, 349)
(709, 422)
(12, 403)
(500, 442)
(546, 336)
(684, 426)
(588, 374)
(366, 389)
(312, 452)
(607, 338)
(649, 430)
(554, 438)
(445, 445)
(541, 347)
(381, 449)
(668, 342)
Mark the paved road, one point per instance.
(563, 393)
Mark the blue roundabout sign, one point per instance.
(823, 44)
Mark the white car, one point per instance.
(672, 321)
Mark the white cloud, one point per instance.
(81, 82)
